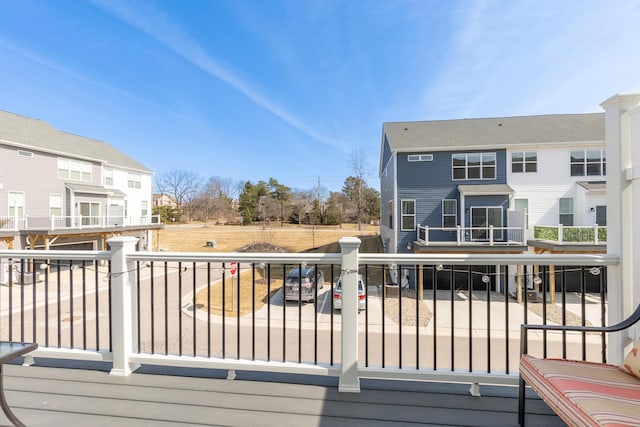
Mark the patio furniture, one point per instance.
(581, 393)
(8, 351)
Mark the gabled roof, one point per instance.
(38, 135)
(495, 132)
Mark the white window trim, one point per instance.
(420, 158)
(524, 161)
(585, 163)
(134, 180)
(455, 215)
(466, 167)
(51, 206)
(403, 215)
(82, 168)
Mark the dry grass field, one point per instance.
(229, 238)
(290, 238)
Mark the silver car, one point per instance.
(337, 294)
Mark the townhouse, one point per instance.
(504, 184)
(64, 191)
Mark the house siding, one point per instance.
(387, 194)
(553, 181)
(429, 182)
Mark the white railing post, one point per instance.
(491, 235)
(426, 234)
(595, 234)
(349, 379)
(458, 234)
(122, 304)
(560, 233)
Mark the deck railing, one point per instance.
(225, 310)
(595, 234)
(79, 222)
(505, 236)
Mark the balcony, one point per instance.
(470, 237)
(420, 355)
(78, 222)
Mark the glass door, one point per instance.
(484, 217)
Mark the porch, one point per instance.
(82, 393)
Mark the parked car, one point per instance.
(305, 279)
(337, 294)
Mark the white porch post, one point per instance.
(349, 380)
(123, 278)
(622, 127)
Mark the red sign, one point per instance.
(233, 268)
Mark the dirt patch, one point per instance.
(392, 309)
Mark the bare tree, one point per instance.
(182, 185)
(359, 167)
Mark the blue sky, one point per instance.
(290, 89)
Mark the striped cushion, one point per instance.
(631, 363)
(584, 393)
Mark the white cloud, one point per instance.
(153, 22)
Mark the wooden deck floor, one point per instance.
(156, 396)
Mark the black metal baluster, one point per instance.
(366, 315)
(253, 311)
(299, 313)
(583, 310)
(180, 332)
(166, 308)
(208, 307)
(238, 314)
(418, 288)
(315, 317)
(224, 310)
(488, 289)
(84, 304)
(71, 303)
(331, 316)
(268, 312)
(153, 323)
(603, 312)
(400, 317)
(434, 318)
(284, 314)
(452, 285)
(22, 268)
(59, 311)
(384, 297)
(564, 311)
(543, 283)
(97, 288)
(505, 289)
(139, 320)
(470, 288)
(195, 307)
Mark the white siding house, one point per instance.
(53, 182)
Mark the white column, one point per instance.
(622, 238)
(123, 297)
(349, 380)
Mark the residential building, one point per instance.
(482, 185)
(60, 190)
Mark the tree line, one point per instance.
(223, 200)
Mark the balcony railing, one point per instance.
(74, 222)
(505, 236)
(570, 234)
(188, 309)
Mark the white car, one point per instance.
(337, 294)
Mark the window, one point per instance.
(483, 218)
(55, 204)
(134, 181)
(23, 153)
(449, 212)
(16, 205)
(522, 205)
(601, 216)
(144, 208)
(420, 157)
(90, 213)
(390, 207)
(408, 215)
(524, 161)
(108, 176)
(566, 211)
(474, 166)
(588, 163)
(75, 170)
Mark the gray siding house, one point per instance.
(67, 191)
(482, 185)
